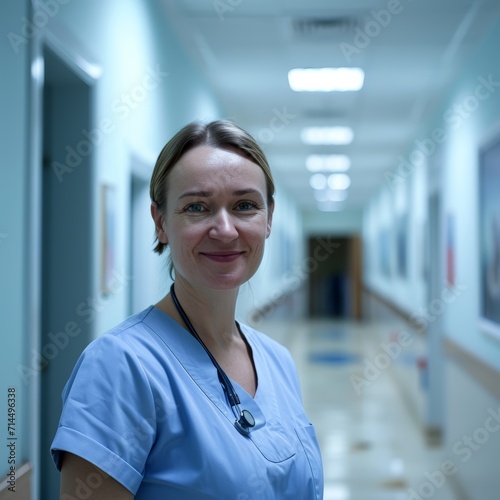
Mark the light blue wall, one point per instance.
(464, 123)
(479, 122)
(380, 233)
(14, 239)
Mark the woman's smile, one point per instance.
(222, 257)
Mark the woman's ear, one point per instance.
(159, 220)
(270, 210)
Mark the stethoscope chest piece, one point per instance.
(245, 422)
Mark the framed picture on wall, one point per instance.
(489, 236)
(450, 250)
(108, 237)
(402, 244)
(384, 248)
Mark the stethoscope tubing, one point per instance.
(244, 419)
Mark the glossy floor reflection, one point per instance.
(370, 431)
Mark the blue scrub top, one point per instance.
(145, 405)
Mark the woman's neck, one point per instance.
(211, 312)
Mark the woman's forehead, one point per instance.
(205, 165)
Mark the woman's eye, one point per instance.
(245, 205)
(195, 208)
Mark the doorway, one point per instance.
(67, 243)
(335, 278)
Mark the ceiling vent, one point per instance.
(323, 28)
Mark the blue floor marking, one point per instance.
(335, 357)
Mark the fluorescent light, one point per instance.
(339, 181)
(328, 163)
(318, 181)
(327, 135)
(326, 79)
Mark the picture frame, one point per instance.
(384, 246)
(450, 251)
(489, 237)
(402, 245)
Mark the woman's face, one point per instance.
(217, 218)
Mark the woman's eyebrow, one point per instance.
(241, 192)
(208, 194)
(199, 194)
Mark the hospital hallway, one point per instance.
(375, 255)
(370, 425)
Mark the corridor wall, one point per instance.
(448, 153)
(14, 236)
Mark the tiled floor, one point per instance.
(371, 439)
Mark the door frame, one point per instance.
(72, 54)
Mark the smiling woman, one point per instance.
(216, 213)
(181, 401)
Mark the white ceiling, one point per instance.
(246, 48)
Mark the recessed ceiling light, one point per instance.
(339, 181)
(318, 181)
(328, 163)
(326, 79)
(327, 135)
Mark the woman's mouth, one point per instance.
(228, 256)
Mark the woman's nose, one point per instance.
(223, 227)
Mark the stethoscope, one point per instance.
(244, 419)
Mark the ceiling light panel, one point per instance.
(326, 79)
(328, 163)
(338, 181)
(327, 135)
(318, 181)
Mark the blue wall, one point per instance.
(14, 95)
(449, 167)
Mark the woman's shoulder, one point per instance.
(262, 339)
(129, 338)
